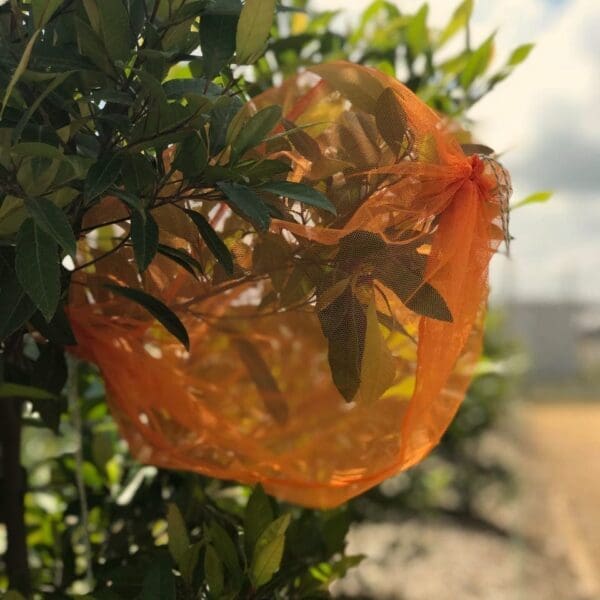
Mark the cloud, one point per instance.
(547, 118)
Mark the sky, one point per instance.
(545, 120)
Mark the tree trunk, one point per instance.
(12, 495)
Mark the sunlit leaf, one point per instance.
(43, 11)
(537, 198)
(253, 29)
(519, 54)
(213, 570)
(378, 368)
(179, 540)
(458, 21)
(21, 68)
(477, 62)
(268, 551)
(257, 516)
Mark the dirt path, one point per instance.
(566, 439)
(553, 550)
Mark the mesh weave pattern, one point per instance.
(342, 347)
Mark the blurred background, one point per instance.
(543, 539)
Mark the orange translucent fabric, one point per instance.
(254, 399)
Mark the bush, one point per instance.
(93, 92)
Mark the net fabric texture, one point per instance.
(342, 346)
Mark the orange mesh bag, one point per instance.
(342, 346)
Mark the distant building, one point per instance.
(561, 339)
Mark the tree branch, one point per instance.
(13, 492)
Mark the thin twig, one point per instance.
(99, 258)
(75, 409)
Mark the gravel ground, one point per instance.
(544, 547)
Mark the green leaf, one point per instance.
(114, 20)
(162, 313)
(16, 307)
(213, 571)
(257, 516)
(378, 369)
(470, 149)
(37, 149)
(189, 562)
(214, 243)
(344, 324)
(179, 541)
(55, 83)
(477, 62)
(536, 198)
(159, 581)
(253, 30)
(15, 390)
(303, 142)
(403, 272)
(519, 54)
(246, 203)
(101, 175)
(342, 298)
(139, 176)
(21, 68)
(301, 192)
(254, 131)
(58, 330)
(263, 379)
(224, 7)
(226, 549)
(192, 156)
(417, 33)
(217, 40)
(144, 235)
(221, 115)
(133, 201)
(37, 267)
(391, 119)
(43, 11)
(182, 258)
(53, 221)
(362, 88)
(13, 595)
(459, 20)
(268, 552)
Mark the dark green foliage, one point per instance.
(157, 309)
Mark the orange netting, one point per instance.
(342, 346)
